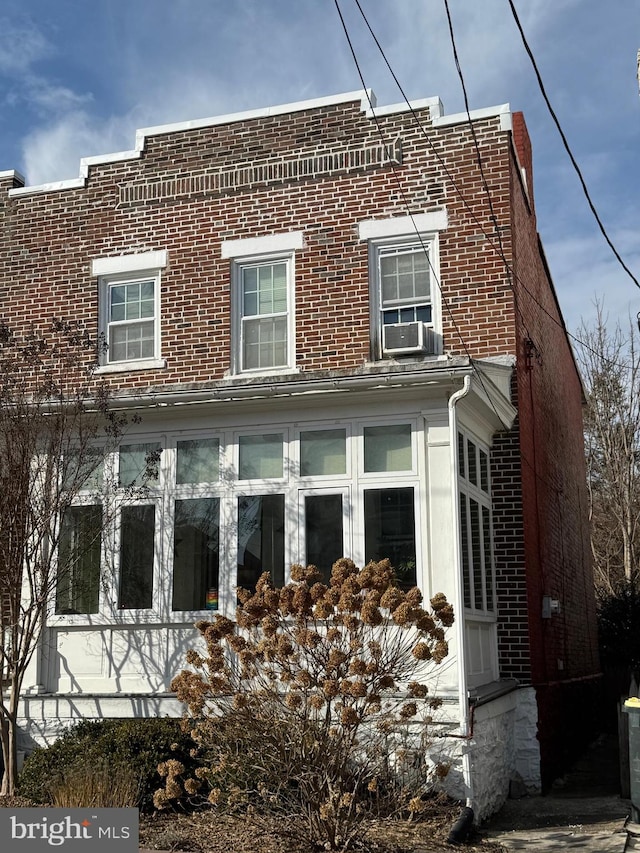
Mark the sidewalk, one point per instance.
(583, 811)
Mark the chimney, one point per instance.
(522, 144)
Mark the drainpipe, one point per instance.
(463, 692)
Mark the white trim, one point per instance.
(55, 186)
(12, 173)
(117, 264)
(400, 226)
(434, 105)
(270, 243)
(289, 258)
(124, 366)
(503, 111)
(100, 159)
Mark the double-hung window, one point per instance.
(263, 278)
(131, 319)
(130, 309)
(405, 286)
(264, 314)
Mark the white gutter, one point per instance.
(463, 689)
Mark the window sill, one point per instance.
(258, 374)
(130, 366)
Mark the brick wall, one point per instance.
(194, 188)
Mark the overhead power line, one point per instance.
(574, 163)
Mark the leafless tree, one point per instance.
(610, 361)
(56, 427)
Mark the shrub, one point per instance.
(96, 786)
(126, 748)
(305, 703)
(618, 620)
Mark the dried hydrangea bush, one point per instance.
(303, 703)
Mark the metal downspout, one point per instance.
(463, 693)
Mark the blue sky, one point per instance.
(78, 78)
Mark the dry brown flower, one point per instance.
(421, 651)
(357, 666)
(417, 690)
(408, 710)
(414, 597)
(349, 717)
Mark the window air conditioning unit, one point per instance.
(405, 338)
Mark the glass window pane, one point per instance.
(131, 341)
(138, 463)
(323, 452)
(462, 468)
(196, 554)
(476, 553)
(197, 461)
(389, 531)
(464, 550)
(488, 561)
(265, 343)
(484, 471)
(78, 576)
(323, 534)
(472, 463)
(260, 456)
(83, 471)
(260, 539)
(387, 448)
(137, 540)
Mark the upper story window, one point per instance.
(264, 315)
(403, 262)
(263, 285)
(131, 320)
(130, 309)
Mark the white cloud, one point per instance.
(21, 45)
(52, 152)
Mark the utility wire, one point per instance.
(405, 201)
(567, 148)
(455, 186)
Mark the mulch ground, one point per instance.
(210, 832)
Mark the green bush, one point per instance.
(137, 745)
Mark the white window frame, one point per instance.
(256, 251)
(420, 231)
(482, 497)
(129, 269)
(347, 513)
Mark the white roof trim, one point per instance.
(433, 104)
(129, 263)
(55, 186)
(268, 244)
(366, 97)
(12, 173)
(403, 226)
(503, 111)
(99, 159)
